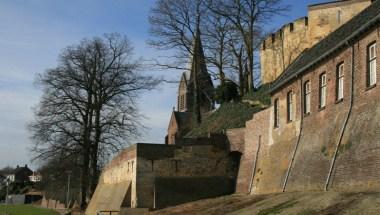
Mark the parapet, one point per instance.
(294, 27)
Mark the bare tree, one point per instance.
(215, 37)
(174, 23)
(89, 103)
(246, 16)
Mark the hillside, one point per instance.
(232, 115)
(305, 203)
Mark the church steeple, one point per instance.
(195, 92)
(202, 86)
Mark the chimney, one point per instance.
(17, 166)
(26, 166)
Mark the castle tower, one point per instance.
(283, 47)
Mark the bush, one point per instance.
(226, 92)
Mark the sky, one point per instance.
(33, 33)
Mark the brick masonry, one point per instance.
(279, 50)
(133, 179)
(318, 133)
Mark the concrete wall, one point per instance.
(280, 49)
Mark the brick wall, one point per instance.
(279, 50)
(358, 161)
(318, 134)
(186, 161)
(171, 191)
(236, 139)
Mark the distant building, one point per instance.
(195, 90)
(35, 177)
(20, 174)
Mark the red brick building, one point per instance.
(323, 128)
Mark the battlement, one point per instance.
(281, 48)
(287, 29)
(334, 4)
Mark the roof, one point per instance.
(182, 118)
(330, 44)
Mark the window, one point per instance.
(339, 16)
(276, 113)
(322, 90)
(371, 75)
(291, 27)
(307, 98)
(181, 102)
(290, 106)
(339, 81)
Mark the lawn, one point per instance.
(25, 210)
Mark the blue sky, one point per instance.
(33, 33)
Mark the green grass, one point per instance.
(232, 115)
(307, 212)
(278, 208)
(25, 210)
(260, 94)
(229, 115)
(344, 147)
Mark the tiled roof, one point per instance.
(330, 44)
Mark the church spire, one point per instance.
(200, 80)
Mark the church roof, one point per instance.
(330, 44)
(182, 118)
(199, 68)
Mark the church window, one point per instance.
(182, 102)
(322, 90)
(290, 106)
(276, 113)
(307, 97)
(339, 81)
(371, 74)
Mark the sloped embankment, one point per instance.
(297, 203)
(233, 115)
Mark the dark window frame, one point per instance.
(305, 93)
(289, 104)
(276, 112)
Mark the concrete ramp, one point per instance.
(108, 197)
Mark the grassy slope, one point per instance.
(297, 203)
(24, 210)
(232, 115)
